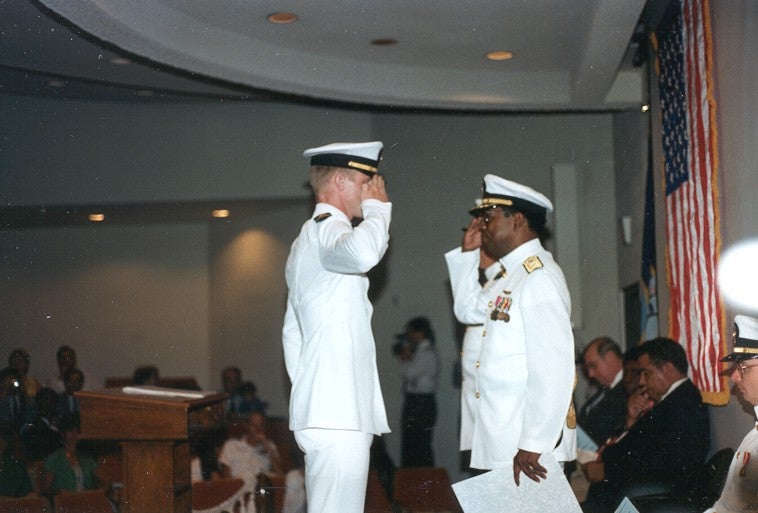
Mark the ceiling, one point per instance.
(568, 54)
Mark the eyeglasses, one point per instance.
(744, 368)
(487, 215)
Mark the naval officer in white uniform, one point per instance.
(525, 371)
(489, 270)
(740, 492)
(336, 404)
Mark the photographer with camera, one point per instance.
(418, 366)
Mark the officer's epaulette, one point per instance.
(532, 263)
(321, 217)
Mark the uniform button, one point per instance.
(484, 333)
(477, 395)
(477, 365)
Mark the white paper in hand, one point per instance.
(496, 492)
(626, 506)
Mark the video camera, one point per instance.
(400, 342)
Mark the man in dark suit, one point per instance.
(605, 411)
(667, 437)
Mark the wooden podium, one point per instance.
(154, 433)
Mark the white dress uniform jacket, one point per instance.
(472, 345)
(329, 348)
(525, 371)
(740, 493)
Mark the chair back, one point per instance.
(425, 489)
(376, 496)
(714, 477)
(88, 501)
(223, 495)
(274, 487)
(28, 504)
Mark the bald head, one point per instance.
(602, 360)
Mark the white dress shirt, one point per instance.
(420, 371)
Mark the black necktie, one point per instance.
(594, 400)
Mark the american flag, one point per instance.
(692, 222)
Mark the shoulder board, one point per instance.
(532, 263)
(321, 217)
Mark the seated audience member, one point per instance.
(204, 451)
(68, 468)
(667, 435)
(740, 492)
(14, 408)
(66, 359)
(20, 361)
(606, 409)
(231, 380)
(251, 454)
(73, 382)
(631, 384)
(146, 375)
(631, 379)
(246, 401)
(14, 478)
(41, 435)
(255, 453)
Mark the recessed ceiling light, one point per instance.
(282, 17)
(96, 218)
(500, 55)
(120, 61)
(385, 41)
(220, 213)
(56, 83)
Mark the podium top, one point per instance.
(146, 413)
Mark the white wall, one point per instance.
(122, 296)
(248, 295)
(71, 152)
(735, 30)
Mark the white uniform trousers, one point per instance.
(336, 469)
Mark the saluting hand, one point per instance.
(374, 189)
(472, 237)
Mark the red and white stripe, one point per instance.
(692, 216)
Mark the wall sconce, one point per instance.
(626, 229)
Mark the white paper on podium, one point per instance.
(166, 392)
(496, 492)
